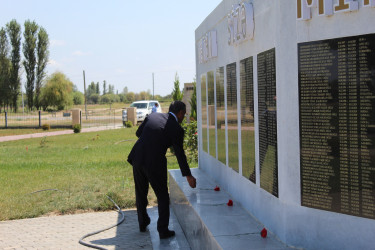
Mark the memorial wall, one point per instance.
(337, 124)
(286, 100)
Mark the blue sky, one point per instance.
(122, 42)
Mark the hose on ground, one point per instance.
(102, 230)
(96, 232)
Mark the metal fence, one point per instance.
(61, 119)
(101, 117)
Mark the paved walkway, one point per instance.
(64, 232)
(61, 132)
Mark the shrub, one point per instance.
(128, 124)
(191, 140)
(46, 127)
(77, 128)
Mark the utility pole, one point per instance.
(153, 96)
(84, 86)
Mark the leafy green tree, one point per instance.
(29, 48)
(177, 95)
(4, 69)
(42, 60)
(78, 98)
(91, 90)
(110, 89)
(109, 98)
(193, 102)
(104, 87)
(57, 92)
(94, 98)
(143, 95)
(14, 33)
(130, 97)
(97, 88)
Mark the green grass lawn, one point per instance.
(83, 167)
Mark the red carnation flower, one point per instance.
(263, 233)
(217, 188)
(230, 203)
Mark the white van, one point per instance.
(144, 108)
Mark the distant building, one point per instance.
(188, 92)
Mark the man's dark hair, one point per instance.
(176, 107)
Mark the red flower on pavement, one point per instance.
(263, 233)
(217, 188)
(230, 203)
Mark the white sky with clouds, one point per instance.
(119, 41)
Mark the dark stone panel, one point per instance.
(336, 80)
(247, 118)
(267, 121)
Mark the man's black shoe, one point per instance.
(166, 234)
(142, 228)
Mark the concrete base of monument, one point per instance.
(209, 223)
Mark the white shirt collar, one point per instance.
(174, 116)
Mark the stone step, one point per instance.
(208, 222)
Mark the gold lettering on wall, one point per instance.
(341, 6)
(369, 3)
(346, 5)
(299, 9)
(327, 8)
(321, 7)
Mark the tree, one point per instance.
(143, 95)
(42, 57)
(4, 69)
(193, 102)
(29, 48)
(110, 89)
(78, 98)
(57, 92)
(130, 96)
(176, 93)
(14, 33)
(97, 88)
(125, 90)
(104, 87)
(91, 90)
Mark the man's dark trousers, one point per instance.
(159, 184)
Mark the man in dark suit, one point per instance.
(156, 134)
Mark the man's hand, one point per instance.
(192, 181)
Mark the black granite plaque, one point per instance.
(247, 118)
(337, 124)
(267, 122)
(220, 115)
(232, 116)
